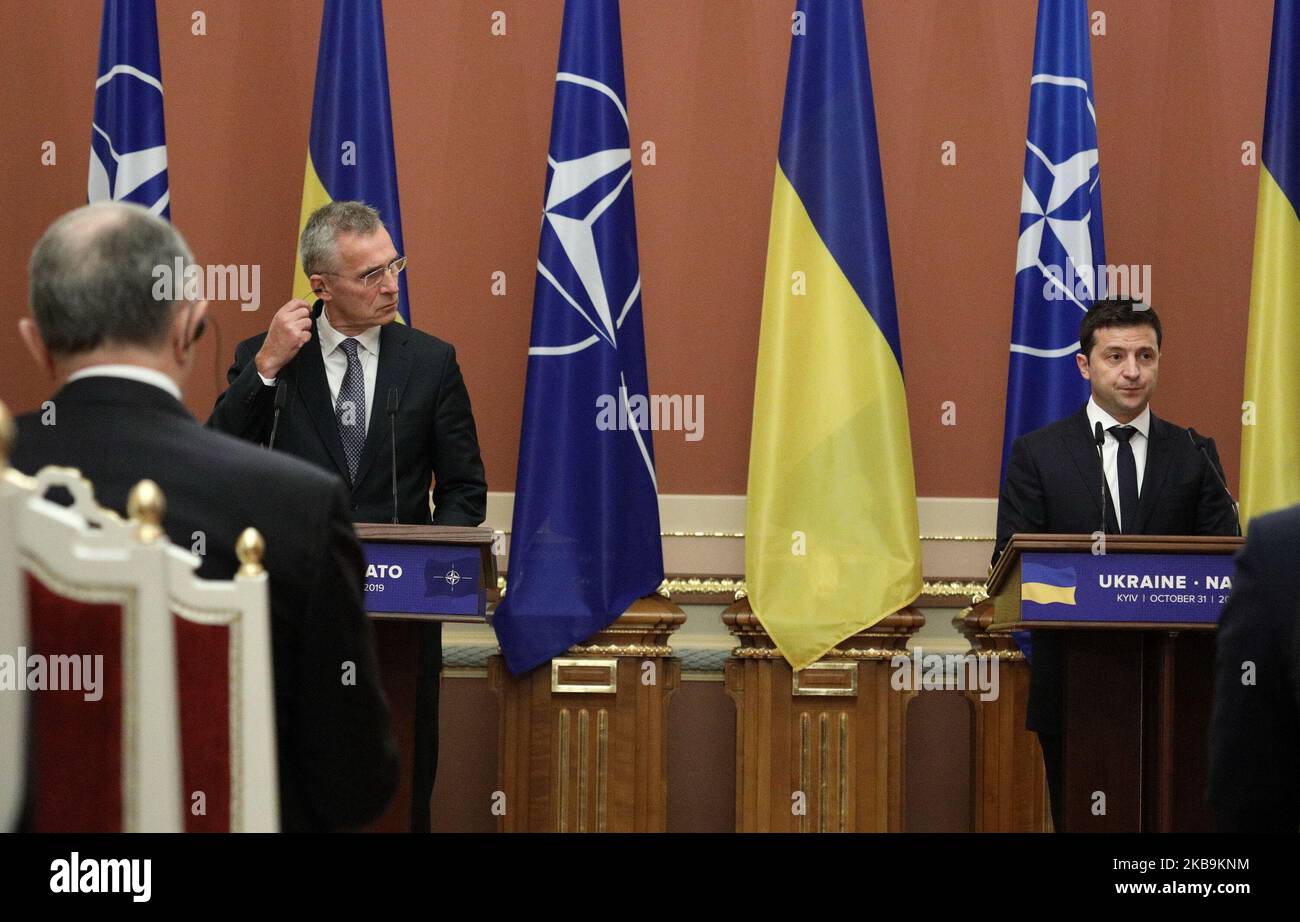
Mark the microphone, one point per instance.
(1099, 438)
(281, 398)
(1201, 442)
(392, 427)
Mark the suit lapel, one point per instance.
(309, 372)
(1083, 452)
(394, 367)
(1159, 455)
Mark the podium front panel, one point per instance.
(424, 581)
(1156, 589)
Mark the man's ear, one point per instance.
(318, 288)
(187, 325)
(1082, 361)
(198, 323)
(31, 336)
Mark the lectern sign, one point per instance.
(422, 579)
(1174, 588)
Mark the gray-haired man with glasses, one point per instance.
(332, 383)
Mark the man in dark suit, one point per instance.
(349, 380)
(1160, 480)
(119, 355)
(1255, 725)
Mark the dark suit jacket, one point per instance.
(436, 437)
(338, 762)
(1255, 729)
(1053, 486)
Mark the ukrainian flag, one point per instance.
(1270, 442)
(350, 150)
(832, 541)
(1047, 586)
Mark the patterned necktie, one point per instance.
(350, 408)
(1128, 479)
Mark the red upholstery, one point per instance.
(203, 668)
(77, 744)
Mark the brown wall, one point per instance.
(1179, 88)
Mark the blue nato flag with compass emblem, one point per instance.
(585, 540)
(1061, 241)
(128, 146)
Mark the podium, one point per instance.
(416, 577)
(1137, 615)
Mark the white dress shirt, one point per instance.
(336, 360)
(1110, 448)
(130, 372)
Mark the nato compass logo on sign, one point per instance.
(1057, 224)
(588, 237)
(128, 153)
(452, 577)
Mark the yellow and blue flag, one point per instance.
(585, 542)
(1044, 585)
(350, 150)
(832, 542)
(128, 146)
(1270, 434)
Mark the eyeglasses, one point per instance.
(372, 278)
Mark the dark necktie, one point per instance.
(1128, 479)
(350, 408)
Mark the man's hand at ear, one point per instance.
(290, 330)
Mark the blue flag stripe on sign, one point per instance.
(1037, 573)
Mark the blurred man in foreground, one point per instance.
(118, 356)
(1255, 726)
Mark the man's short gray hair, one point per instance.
(318, 248)
(91, 278)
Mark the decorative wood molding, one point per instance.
(713, 590)
(810, 760)
(583, 739)
(1008, 784)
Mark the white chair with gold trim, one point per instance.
(227, 697)
(100, 674)
(14, 491)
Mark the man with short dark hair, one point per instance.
(355, 381)
(119, 355)
(1158, 481)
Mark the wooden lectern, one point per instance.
(417, 574)
(1138, 615)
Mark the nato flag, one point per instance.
(128, 147)
(1061, 241)
(585, 541)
